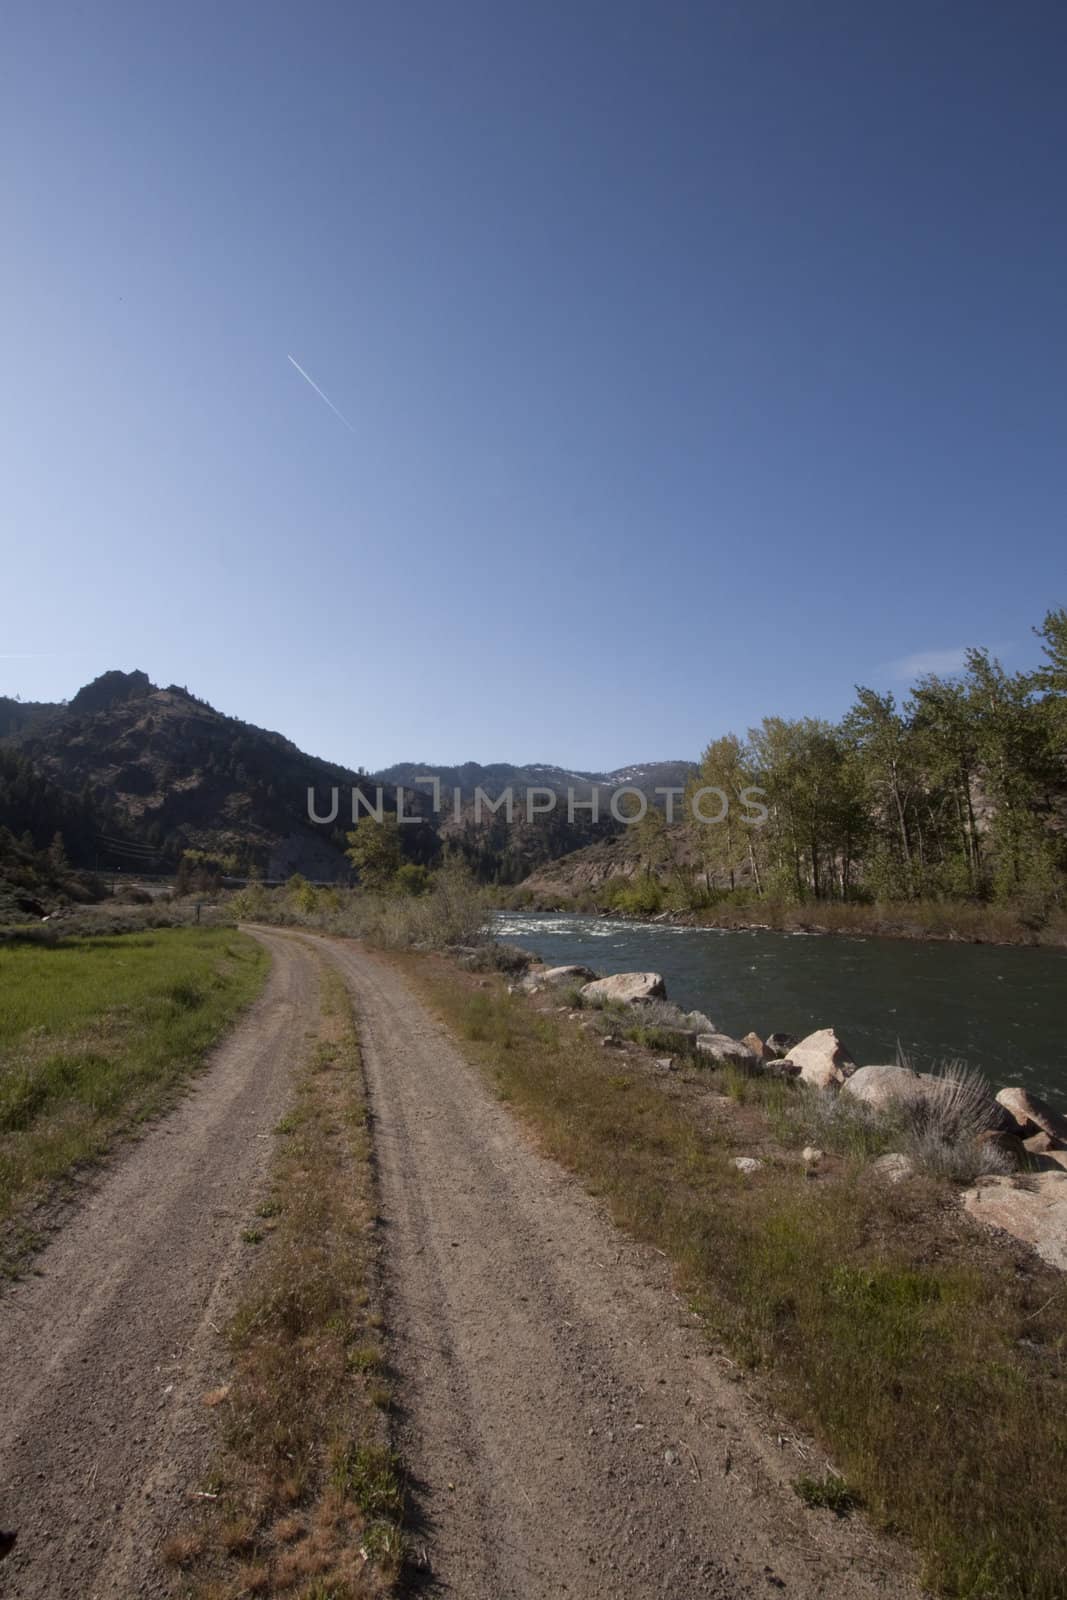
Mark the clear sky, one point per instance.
(699, 361)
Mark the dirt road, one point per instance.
(567, 1432)
(108, 1351)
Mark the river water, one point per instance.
(999, 1008)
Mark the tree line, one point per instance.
(960, 791)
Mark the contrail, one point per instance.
(322, 396)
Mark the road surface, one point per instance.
(566, 1430)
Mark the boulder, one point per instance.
(624, 988)
(727, 1052)
(1033, 1115)
(821, 1060)
(1039, 1144)
(699, 1022)
(757, 1044)
(555, 978)
(780, 1044)
(882, 1087)
(894, 1167)
(1033, 1209)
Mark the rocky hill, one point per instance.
(141, 775)
(165, 773)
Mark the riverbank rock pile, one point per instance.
(1015, 1129)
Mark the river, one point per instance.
(1001, 1009)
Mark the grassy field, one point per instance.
(928, 1362)
(306, 1492)
(95, 1033)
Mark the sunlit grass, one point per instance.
(96, 1033)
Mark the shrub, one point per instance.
(944, 1127)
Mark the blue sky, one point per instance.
(699, 361)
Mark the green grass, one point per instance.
(828, 1493)
(96, 1033)
(930, 1365)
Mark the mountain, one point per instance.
(164, 773)
(141, 775)
(494, 779)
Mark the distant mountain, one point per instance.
(503, 850)
(494, 779)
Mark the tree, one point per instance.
(374, 850)
(884, 764)
(721, 846)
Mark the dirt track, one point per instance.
(567, 1433)
(108, 1352)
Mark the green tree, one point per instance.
(374, 850)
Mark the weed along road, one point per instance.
(564, 1429)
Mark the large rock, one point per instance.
(1033, 1115)
(821, 1060)
(727, 1052)
(1033, 1209)
(882, 1087)
(780, 1044)
(557, 978)
(625, 988)
(699, 1021)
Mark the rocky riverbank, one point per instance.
(1004, 1152)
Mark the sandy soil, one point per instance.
(567, 1431)
(109, 1349)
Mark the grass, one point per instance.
(930, 1364)
(96, 1034)
(309, 1491)
(829, 1493)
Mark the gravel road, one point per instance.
(110, 1347)
(566, 1429)
(568, 1433)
